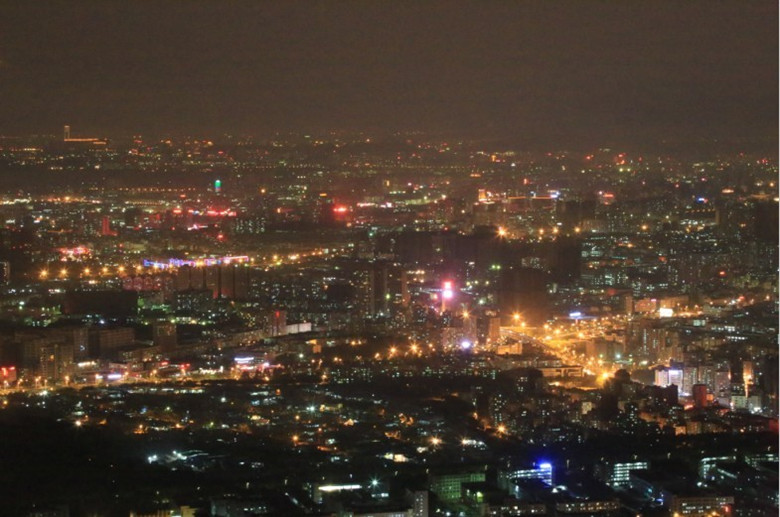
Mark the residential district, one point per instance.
(400, 325)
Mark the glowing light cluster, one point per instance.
(213, 261)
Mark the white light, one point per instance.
(338, 488)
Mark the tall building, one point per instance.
(105, 227)
(373, 289)
(699, 395)
(224, 281)
(164, 336)
(5, 272)
(420, 503)
(448, 485)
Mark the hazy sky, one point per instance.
(551, 70)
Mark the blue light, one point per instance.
(545, 466)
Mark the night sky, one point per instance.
(565, 72)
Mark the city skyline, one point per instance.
(374, 259)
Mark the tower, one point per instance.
(105, 227)
(164, 336)
(66, 133)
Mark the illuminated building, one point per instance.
(587, 507)
(617, 475)
(542, 471)
(448, 486)
(81, 143)
(105, 228)
(701, 505)
(699, 393)
(5, 272)
(420, 503)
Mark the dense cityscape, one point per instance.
(388, 325)
(369, 258)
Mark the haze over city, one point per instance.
(389, 259)
(538, 73)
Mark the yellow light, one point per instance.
(501, 231)
(44, 273)
(86, 270)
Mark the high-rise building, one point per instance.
(105, 228)
(5, 272)
(699, 395)
(164, 336)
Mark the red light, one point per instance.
(340, 209)
(447, 292)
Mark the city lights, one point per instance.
(459, 276)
